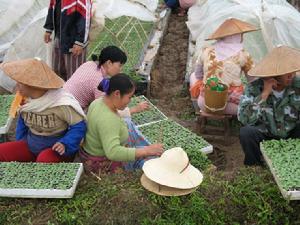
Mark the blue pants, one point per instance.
(135, 140)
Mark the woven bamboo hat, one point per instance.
(32, 72)
(281, 60)
(230, 27)
(173, 169)
(163, 190)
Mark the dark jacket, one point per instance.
(75, 19)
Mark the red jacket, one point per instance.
(75, 20)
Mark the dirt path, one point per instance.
(168, 91)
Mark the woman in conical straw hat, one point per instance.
(226, 59)
(51, 123)
(270, 106)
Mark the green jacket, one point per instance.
(275, 116)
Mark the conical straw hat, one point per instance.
(173, 169)
(281, 60)
(230, 27)
(32, 72)
(163, 190)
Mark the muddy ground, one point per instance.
(170, 93)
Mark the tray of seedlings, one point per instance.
(152, 115)
(5, 119)
(172, 134)
(39, 180)
(283, 159)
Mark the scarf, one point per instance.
(228, 46)
(50, 99)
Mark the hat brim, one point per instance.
(226, 35)
(163, 190)
(156, 171)
(32, 72)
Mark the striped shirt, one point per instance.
(83, 84)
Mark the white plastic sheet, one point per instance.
(278, 22)
(116, 8)
(21, 26)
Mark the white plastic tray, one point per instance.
(43, 193)
(289, 195)
(206, 150)
(161, 113)
(5, 129)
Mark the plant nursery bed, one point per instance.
(128, 33)
(5, 120)
(283, 159)
(152, 115)
(172, 134)
(39, 180)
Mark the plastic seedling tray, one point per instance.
(150, 116)
(172, 134)
(5, 120)
(289, 193)
(39, 180)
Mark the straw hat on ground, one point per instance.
(163, 190)
(173, 169)
(281, 60)
(230, 27)
(32, 72)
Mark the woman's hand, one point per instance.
(142, 106)
(47, 37)
(151, 150)
(59, 148)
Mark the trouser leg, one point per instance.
(250, 138)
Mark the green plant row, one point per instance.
(5, 102)
(37, 175)
(285, 158)
(172, 134)
(128, 33)
(148, 116)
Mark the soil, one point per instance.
(170, 93)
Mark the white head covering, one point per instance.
(228, 46)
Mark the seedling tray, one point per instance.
(278, 158)
(5, 120)
(39, 180)
(150, 116)
(172, 134)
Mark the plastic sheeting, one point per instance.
(21, 26)
(116, 8)
(278, 22)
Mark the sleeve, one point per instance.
(83, 22)
(69, 115)
(49, 25)
(250, 107)
(109, 135)
(21, 129)
(124, 113)
(73, 137)
(98, 94)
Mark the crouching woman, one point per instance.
(105, 146)
(51, 123)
